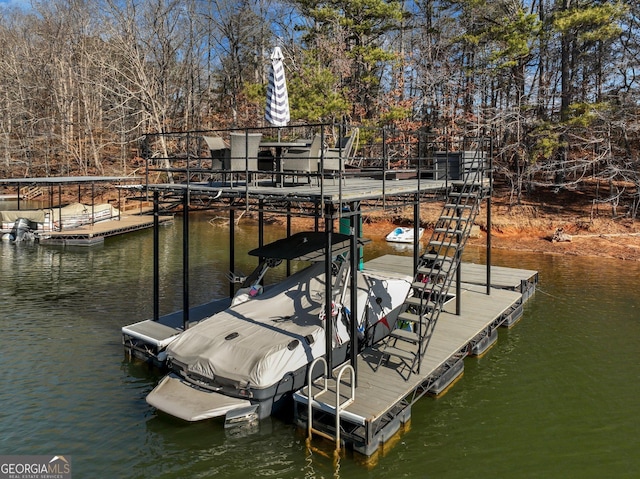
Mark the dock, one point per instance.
(86, 228)
(385, 391)
(451, 310)
(92, 234)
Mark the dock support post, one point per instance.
(156, 257)
(93, 202)
(289, 235)
(185, 260)
(260, 226)
(458, 278)
(328, 330)
(355, 259)
(489, 226)
(416, 232)
(60, 206)
(232, 246)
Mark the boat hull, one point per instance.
(403, 235)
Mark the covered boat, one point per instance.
(257, 352)
(403, 235)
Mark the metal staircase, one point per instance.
(437, 268)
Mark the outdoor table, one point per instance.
(279, 146)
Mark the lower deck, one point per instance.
(385, 390)
(96, 233)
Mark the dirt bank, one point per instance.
(528, 227)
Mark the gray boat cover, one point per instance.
(177, 397)
(257, 342)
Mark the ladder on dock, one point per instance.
(328, 384)
(436, 269)
(31, 192)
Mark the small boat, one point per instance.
(247, 360)
(403, 235)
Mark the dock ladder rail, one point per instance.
(437, 267)
(325, 388)
(31, 192)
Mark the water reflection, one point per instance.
(555, 397)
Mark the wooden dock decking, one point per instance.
(384, 394)
(96, 233)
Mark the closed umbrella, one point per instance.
(277, 111)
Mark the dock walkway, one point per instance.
(96, 233)
(384, 393)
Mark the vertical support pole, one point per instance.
(384, 168)
(93, 202)
(185, 260)
(260, 226)
(60, 205)
(119, 202)
(232, 247)
(79, 194)
(289, 235)
(458, 276)
(416, 232)
(328, 327)
(353, 323)
(156, 257)
(489, 225)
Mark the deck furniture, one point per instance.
(303, 159)
(243, 156)
(218, 150)
(334, 159)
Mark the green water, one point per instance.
(556, 397)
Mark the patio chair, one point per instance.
(244, 153)
(334, 159)
(219, 151)
(304, 159)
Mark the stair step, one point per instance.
(404, 335)
(425, 288)
(416, 301)
(449, 231)
(450, 205)
(393, 351)
(436, 257)
(410, 317)
(483, 183)
(431, 271)
(463, 194)
(443, 244)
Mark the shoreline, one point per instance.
(599, 238)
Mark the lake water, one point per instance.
(556, 397)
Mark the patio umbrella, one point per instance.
(277, 111)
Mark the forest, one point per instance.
(553, 82)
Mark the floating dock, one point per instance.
(91, 234)
(385, 391)
(364, 402)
